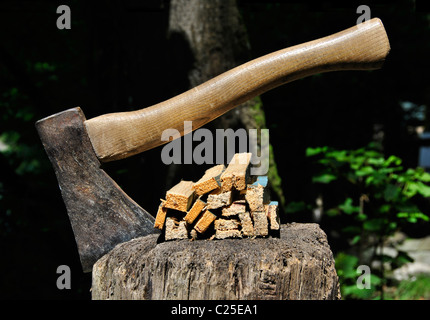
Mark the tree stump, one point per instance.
(297, 265)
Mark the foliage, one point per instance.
(347, 266)
(413, 289)
(375, 196)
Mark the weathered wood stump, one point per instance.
(297, 265)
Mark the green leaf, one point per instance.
(364, 171)
(325, 161)
(376, 224)
(392, 226)
(355, 292)
(401, 258)
(425, 177)
(372, 154)
(357, 162)
(387, 171)
(413, 216)
(332, 212)
(324, 178)
(43, 66)
(385, 258)
(348, 208)
(400, 178)
(376, 161)
(346, 265)
(314, 151)
(423, 189)
(392, 159)
(375, 280)
(351, 229)
(355, 166)
(339, 155)
(407, 207)
(411, 189)
(361, 217)
(391, 192)
(384, 208)
(355, 240)
(410, 172)
(369, 180)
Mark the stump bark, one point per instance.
(297, 265)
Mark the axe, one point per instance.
(101, 214)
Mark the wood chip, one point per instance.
(217, 199)
(257, 194)
(181, 196)
(175, 229)
(194, 234)
(261, 224)
(161, 216)
(246, 222)
(210, 181)
(234, 208)
(227, 228)
(226, 224)
(229, 204)
(195, 211)
(228, 234)
(205, 221)
(272, 212)
(236, 175)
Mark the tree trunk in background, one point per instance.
(297, 265)
(215, 35)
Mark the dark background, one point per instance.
(117, 57)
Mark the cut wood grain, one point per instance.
(217, 199)
(228, 234)
(210, 181)
(175, 229)
(247, 225)
(227, 228)
(257, 194)
(261, 224)
(205, 221)
(226, 224)
(297, 265)
(161, 216)
(272, 212)
(195, 211)
(236, 175)
(180, 197)
(236, 207)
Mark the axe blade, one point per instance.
(101, 214)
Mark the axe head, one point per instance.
(101, 214)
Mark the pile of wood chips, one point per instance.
(224, 203)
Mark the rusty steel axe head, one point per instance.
(101, 214)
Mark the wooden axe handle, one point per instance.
(119, 135)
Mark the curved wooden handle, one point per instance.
(119, 135)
